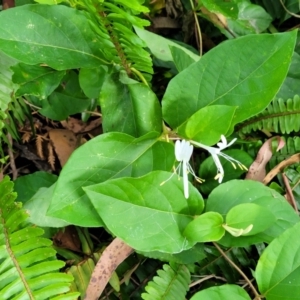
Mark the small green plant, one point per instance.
(123, 180)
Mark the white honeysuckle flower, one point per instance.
(183, 153)
(216, 152)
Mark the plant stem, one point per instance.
(140, 75)
(257, 296)
(272, 28)
(198, 28)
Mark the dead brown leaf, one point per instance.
(113, 255)
(68, 239)
(64, 142)
(257, 170)
(78, 126)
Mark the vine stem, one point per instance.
(257, 296)
(140, 75)
(288, 11)
(198, 28)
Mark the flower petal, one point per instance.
(183, 150)
(185, 179)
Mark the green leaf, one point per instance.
(49, 2)
(252, 18)
(223, 292)
(6, 85)
(182, 59)
(107, 156)
(129, 107)
(278, 272)
(220, 78)
(37, 207)
(243, 215)
(208, 169)
(228, 195)
(59, 106)
(215, 120)
(26, 186)
(227, 9)
(65, 100)
(36, 80)
(205, 228)
(190, 256)
(146, 214)
(91, 81)
(160, 46)
(291, 84)
(69, 43)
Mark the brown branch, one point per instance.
(288, 11)
(289, 193)
(12, 158)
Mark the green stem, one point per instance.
(140, 75)
(257, 296)
(272, 28)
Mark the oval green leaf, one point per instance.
(243, 215)
(278, 269)
(223, 292)
(107, 156)
(147, 215)
(205, 228)
(235, 192)
(130, 107)
(70, 42)
(215, 120)
(249, 82)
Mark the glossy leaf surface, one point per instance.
(107, 156)
(223, 292)
(69, 43)
(234, 192)
(129, 106)
(278, 271)
(205, 228)
(243, 215)
(147, 215)
(249, 82)
(36, 80)
(215, 120)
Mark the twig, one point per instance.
(257, 296)
(198, 28)
(289, 193)
(140, 75)
(287, 162)
(288, 11)
(206, 278)
(12, 158)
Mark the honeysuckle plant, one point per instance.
(115, 180)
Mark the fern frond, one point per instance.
(281, 116)
(28, 266)
(171, 283)
(7, 88)
(113, 21)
